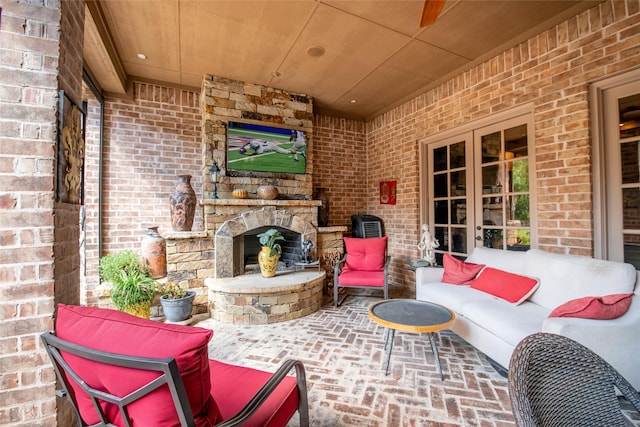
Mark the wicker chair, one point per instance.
(555, 381)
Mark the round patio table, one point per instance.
(411, 316)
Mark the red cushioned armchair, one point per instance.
(364, 265)
(120, 370)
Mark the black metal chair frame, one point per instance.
(336, 272)
(170, 375)
(556, 381)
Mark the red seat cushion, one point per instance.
(350, 277)
(600, 308)
(277, 409)
(365, 254)
(118, 332)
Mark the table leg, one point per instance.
(434, 349)
(389, 346)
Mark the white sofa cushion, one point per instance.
(508, 321)
(566, 277)
(451, 296)
(511, 261)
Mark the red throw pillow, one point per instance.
(602, 308)
(459, 272)
(508, 286)
(118, 332)
(365, 254)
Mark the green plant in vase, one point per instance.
(270, 253)
(133, 288)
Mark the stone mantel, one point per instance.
(260, 202)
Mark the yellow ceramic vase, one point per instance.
(268, 263)
(141, 310)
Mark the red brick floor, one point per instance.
(342, 350)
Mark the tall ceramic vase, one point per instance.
(268, 264)
(154, 253)
(323, 210)
(183, 204)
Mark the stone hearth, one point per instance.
(256, 300)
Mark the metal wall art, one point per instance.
(70, 166)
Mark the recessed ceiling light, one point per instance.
(315, 51)
(353, 101)
(141, 56)
(276, 74)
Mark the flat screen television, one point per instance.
(261, 148)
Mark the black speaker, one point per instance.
(365, 226)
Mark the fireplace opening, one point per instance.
(247, 245)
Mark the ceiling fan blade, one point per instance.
(430, 11)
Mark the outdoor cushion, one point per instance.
(601, 308)
(119, 332)
(565, 277)
(453, 297)
(513, 288)
(510, 322)
(277, 409)
(365, 254)
(511, 261)
(350, 277)
(458, 272)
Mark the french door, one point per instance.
(617, 209)
(479, 188)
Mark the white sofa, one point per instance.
(495, 326)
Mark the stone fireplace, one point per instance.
(234, 293)
(237, 237)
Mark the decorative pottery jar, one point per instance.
(267, 192)
(268, 263)
(183, 204)
(240, 194)
(142, 309)
(154, 253)
(323, 209)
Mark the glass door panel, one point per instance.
(503, 182)
(617, 206)
(450, 196)
(629, 113)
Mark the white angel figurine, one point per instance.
(427, 245)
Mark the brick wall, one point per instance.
(148, 141)
(551, 70)
(29, 49)
(90, 234)
(340, 152)
(67, 216)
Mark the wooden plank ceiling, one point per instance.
(337, 51)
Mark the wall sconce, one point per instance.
(214, 176)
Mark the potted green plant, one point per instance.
(270, 254)
(133, 288)
(177, 302)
